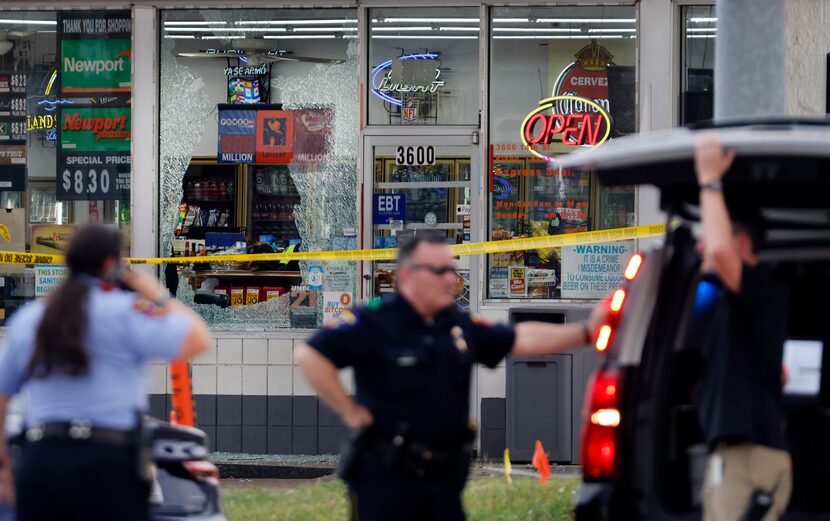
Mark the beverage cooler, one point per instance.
(210, 203)
(273, 196)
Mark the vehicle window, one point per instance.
(180, 495)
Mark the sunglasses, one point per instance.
(437, 270)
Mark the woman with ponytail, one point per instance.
(82, 354)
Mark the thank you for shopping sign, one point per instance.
(96, 53)
(94, 159)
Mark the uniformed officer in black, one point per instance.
(412, 358)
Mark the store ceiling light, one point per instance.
(422, 37)
(297, 22)
(27, 22)
(432, 20)
(181, 36)
(322, 29)
(559, 37)
(194, 23)
(408, 28)
(301, 37)
(462, 29)
(511, 20)
(586, 20)
(613, 30)
(700, 36)
(704, 20)
(701, 29)
(226, 37)
(535, 30)
(227, 29)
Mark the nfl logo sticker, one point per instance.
(409, 112)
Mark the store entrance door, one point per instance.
(418, 183)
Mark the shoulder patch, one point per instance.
(345, 320)
(145, 307)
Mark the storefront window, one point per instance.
(423, 67)
(697, 77)
(560, 78)
(55, 172)
(258, 154)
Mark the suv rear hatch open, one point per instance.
(782, 168)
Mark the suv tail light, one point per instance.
(633, 267)
(599, 434)
(616, 303)
(203, 470)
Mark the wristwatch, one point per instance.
(716, 185)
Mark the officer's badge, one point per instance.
(344, 320)
(458, 338)
(146, 307)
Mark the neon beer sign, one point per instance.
(566, 120)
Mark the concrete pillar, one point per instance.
(749, 58)
(144, 193)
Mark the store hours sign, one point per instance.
(94, 160)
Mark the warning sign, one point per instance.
(591, 271)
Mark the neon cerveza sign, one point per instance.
(385, 88)
(572, 121)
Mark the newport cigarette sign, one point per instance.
(96, 52)
(95, 66)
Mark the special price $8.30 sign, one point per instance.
(94, 161)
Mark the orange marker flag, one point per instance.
(541, 463)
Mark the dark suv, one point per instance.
(643, 453)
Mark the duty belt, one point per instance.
(79, 430)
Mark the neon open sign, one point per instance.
(569, 120)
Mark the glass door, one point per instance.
(420, 184)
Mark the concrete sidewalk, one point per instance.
(293, 467)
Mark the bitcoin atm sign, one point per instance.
(566, 120)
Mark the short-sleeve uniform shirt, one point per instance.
(740, 395)
(124, 333)
(410, 372)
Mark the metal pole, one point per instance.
(749, 58)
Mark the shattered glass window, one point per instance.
(235, 86)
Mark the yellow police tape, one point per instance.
(474, 248)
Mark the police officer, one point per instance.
(739, 401)
(82, 354)
(412, 358)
